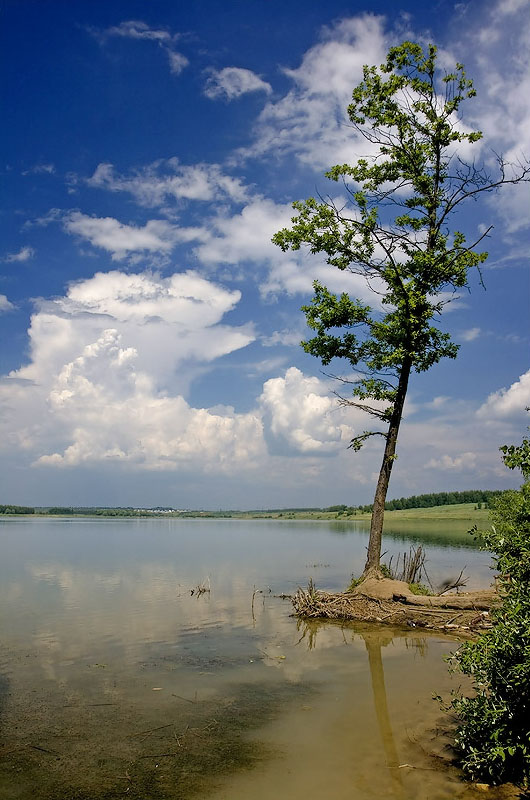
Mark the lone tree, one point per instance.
(394, 229)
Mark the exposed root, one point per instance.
(401, 609)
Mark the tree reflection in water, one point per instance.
(374, 639)
(373, 644)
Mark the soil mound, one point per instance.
(382, 588)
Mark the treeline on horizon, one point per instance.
(478, 496)
(440, 499)
(16, 509)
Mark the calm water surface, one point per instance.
(117, 681)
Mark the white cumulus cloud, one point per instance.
(5, 304)
(40, 169)
(136, 29)
(167, 180)
(497, 56)
(232, 82)
(460, 463)
(311, 120)
(177, 61)
(121, 240)
(470, 335)
(24, 254)
(508, 402)
(168, 321)
(245, 236)
(110, 364)
(139, 30)
(302, 416)
(114, 413)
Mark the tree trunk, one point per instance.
(378, 511)
(476, 601)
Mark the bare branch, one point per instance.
(374, 412)
(358, 441)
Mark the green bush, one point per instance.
(493, 737)
(419, 589)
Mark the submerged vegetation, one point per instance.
(180, 753)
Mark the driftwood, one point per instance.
(376, 602)
(473, 601)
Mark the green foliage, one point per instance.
(385, 571)
(494, 734)
(394, 228)
(419, 589)
(442, 499)
(432, 500)
(397, 229)
(5, 509)
(518, 457)
(91, 511)
(354, 583)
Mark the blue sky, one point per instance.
(150, 329)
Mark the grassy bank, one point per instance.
(468, 512)
(464, 511)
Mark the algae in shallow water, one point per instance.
(177, 759)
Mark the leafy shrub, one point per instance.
(386, 572)
(493, 737)
(419, 588)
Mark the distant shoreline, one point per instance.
(460, 511)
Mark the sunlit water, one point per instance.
(117, 680)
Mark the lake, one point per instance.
(152, 658)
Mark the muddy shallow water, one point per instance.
(117, 681)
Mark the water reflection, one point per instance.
(97, 615)
(374, 643)
(374, 640)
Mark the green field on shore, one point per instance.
(463, 511)
(469, 505)
(458, 511)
